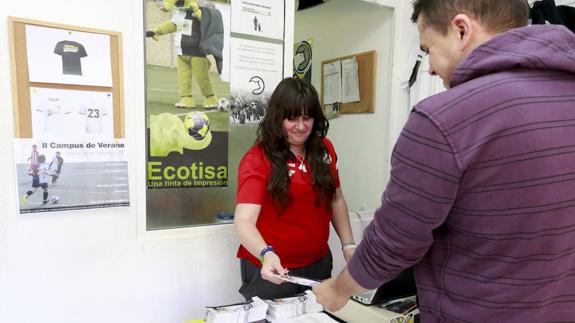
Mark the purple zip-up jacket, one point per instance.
(481, 197)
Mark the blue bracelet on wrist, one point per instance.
(264, 251)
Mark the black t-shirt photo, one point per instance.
(71, 53)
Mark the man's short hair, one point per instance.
(494, 15)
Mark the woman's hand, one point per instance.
(271, 266)
(347, 253)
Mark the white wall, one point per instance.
(91, 265)
(341, 28)
(94, 265)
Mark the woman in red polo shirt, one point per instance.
(288, 193)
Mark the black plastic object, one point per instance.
(403, 285)
(304, 4)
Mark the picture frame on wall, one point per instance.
(68, 56)
(69, 133)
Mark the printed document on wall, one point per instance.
(73, 160)
(263, 18)
(350, 80)
(256, 70)
(70, 149)
(332, 82)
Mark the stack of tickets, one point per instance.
(291, 307)
(252, 311)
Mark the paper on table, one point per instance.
(254, 310)
(308, 318)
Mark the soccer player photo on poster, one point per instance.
(69, 174)
(187, 94)
(69, 137)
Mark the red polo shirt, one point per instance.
(299, 235)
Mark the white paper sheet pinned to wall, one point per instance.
(332, 82)
(350, 80)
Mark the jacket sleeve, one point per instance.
(212, 40)
(419, 196)
(165, 28)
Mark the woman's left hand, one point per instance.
(347, 253)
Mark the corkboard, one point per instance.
(366, 72)
(21, 84)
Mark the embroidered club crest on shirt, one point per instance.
(326, 158)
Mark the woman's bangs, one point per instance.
(298, 105)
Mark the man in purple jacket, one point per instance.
(481, 197)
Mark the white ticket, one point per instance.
(298, 280)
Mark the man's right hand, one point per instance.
(333, 293)
(328, 295)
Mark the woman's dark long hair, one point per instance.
(294, 97)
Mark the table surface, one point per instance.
(355, 312)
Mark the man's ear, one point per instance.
(465, 29)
